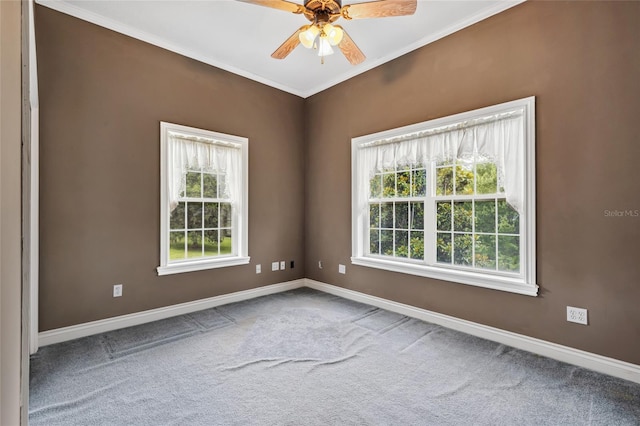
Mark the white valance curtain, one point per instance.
(498, 139)
(192, 153)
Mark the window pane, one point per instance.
(487, 178)
(386, 215)
(210, 215)
(225, 215)
(508, 253)
(464, 179)
(374, 241)
(193, 184)
(462, 216)
(225, 241)
(210, 243)
(176, 245)
(444, 216)
(402, 215)
(419, 183)
(444, 181)
(486, 216)
(194, 244)
(386, 243)
(210, 185)
(402, 243)
(462, 249)
(508, 219)
(404, 184)
(416, 246)
(443, 251)
(374, 215)
(417, 216)
(389, 185)
(485, 251)
(375, 186)
(194, 215)
(177, 217)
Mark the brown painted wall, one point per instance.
(102, 96)
(581, 61)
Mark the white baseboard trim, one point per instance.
(599, 363)
(95, 327)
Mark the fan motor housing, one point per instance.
(322, 10)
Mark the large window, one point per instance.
(452, 198)
(203, 199)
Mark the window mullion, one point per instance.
(393, 204)
(186, 225)
(430, 219)
(473, 230)
(464, 197)
(379, 231)
(201, 212)
(497, 233)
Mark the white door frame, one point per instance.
(30, 202)
(30, 177)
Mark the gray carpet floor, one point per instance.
(308, 358)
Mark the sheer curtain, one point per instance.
(498, 139)
(187, 153)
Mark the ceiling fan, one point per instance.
(321, 34)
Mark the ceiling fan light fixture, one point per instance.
(334, 34)
(321, 34)
(308, 36)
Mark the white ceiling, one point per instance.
(240, 37)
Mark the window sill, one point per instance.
(201, 265)
(495, 282)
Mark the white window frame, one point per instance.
(239, 222)
(521, 283)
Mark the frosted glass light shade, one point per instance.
(308, 36)
(324, 47)
(334, 34)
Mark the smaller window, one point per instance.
(203, 199)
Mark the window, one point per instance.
(452, 198)
(203, 197)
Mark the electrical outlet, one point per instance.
(319, 264)
(117, 290)
(283, 265)
(275, 266)
(258, 268)
(342, 269)
(577, 315)
(291, 264)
